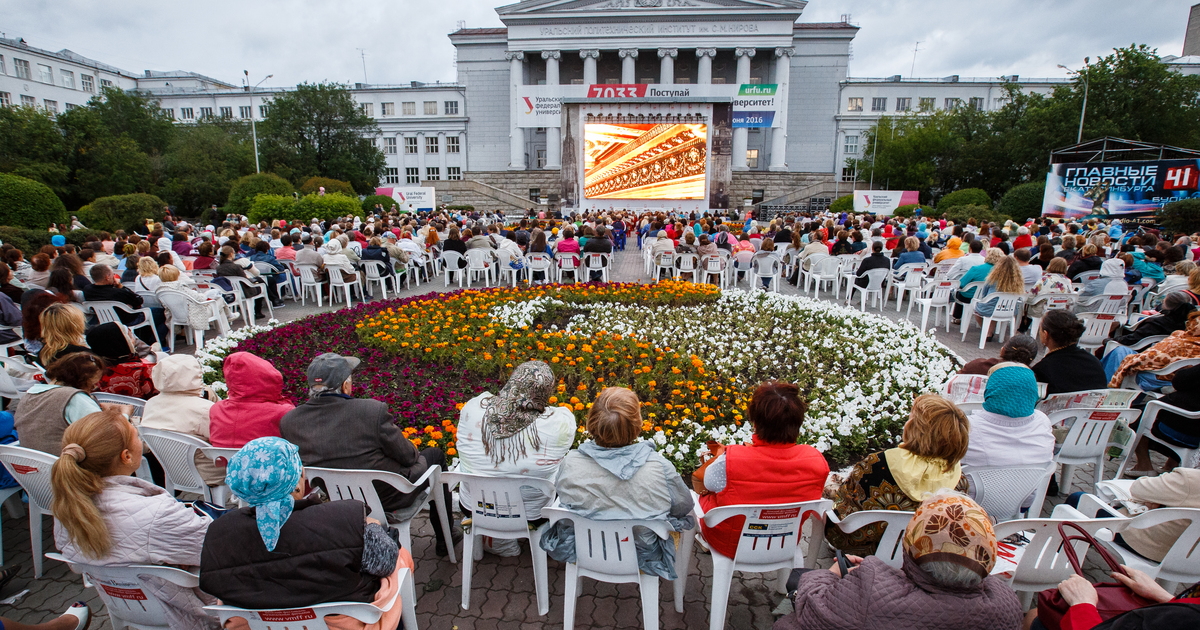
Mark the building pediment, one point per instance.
(650, 9)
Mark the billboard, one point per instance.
(754, 105)
(411, 197)
(1124, 189)
(883, 202)
(644, 160)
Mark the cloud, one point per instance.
(315, 40)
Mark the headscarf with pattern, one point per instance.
(264, 473)
(952, 528)
(510, 415)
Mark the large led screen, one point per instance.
(644, 161)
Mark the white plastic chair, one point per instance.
(479, 262)
(313, 617)
(539, 262)
(780, 526)
(1053, 302)
(337, 281)
(742, 263)
(498, 510)
(1001, 490)
(875, 279)
(450, 261)
(766, 268)
(890, 549)
(31, 469)
(569, 262)
(1003, 314)
(342, 484)
(964, 388)
(941, 298)
(1188, 457)
(827, 269)
(107, 312)
(1108, 304)
(177, 303)
(1131, 381)
(1044, 563)
(715, 266)
(378, 272)
(504, 268)
(1087, 440)
(605, 551)
(597, 262)
(177, 454)
(242, 287)
(117, 399)
(309, 282)
(129, 603)
(808, 267)
(912, 283)
(1096, 328)
(664, 264)
(687, 264)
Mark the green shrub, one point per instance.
(964, 197)
(24, 239)
(461, 208)
(842, 204)
(1023, 201)
(121, 212)
(78, 237)
(244, 189)
(212, 217)
(1181, 216)
(29, 204)
(909, 211)
(961, 214)
(271, 208)
(314, 184)
(368, 204)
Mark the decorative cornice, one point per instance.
(628, 52)
(745, 52)
(589, 53)
(780, 52)
(668, 52)
(706, 52)
(514, 54)
(552, 54)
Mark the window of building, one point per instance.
(433, 173)
(45, 74)
(368, 109)
(28, 101)
(51, 106)
(391, 176)
(756, 80)
(387, 109)
(854, 104)
(879, 104)
(206, 112)
(227, 112)
(186, 113)
(72, 106)
(752, 158)
(245, 111)
(452, 144)
(22, 67)
(431, 108)
(412, 175)
(410, 145)
(612, 81)
(573, 82)
(927, 103)
(977, 104)
(541, 158)
(2, 70)
(87, 83)
(453, 173)
(952, 103)
(5, 99)
(851, 145)
(848, 174)
(167, 111)
(262, 111)
(431, 144)
(389, 145)
(683, 80)
(535, 194)
(68, 79)
(451, 107)
(649, 80)
(409, 108)
(903, 104)
(718, 80)
(105, 83)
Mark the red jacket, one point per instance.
(254, 406)
(762, 474)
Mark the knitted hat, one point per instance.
(1011, 390)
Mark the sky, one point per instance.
(405, 40)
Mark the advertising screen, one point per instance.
(1123, 189)
(644, 161)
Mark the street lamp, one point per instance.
(253, 131)
(1083, 112)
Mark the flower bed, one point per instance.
(692, 353)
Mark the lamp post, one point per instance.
(253, 131)
(1083, 112)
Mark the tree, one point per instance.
(314, 184)
(1181, 217)
(964, 197)
(202, 162)
(319, 130)
(28, 203)
(122, 212)
(243, 191)
(136, 116)
(32, 146)
(1023, 201)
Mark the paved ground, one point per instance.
(503, 594)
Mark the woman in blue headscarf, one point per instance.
(288, 550)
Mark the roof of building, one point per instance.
(184, 74)
(67, 55)
(481, 31)
(1185, 60)
(804, 26)
(957, 79)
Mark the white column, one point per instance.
(516, 135)
(421, 156)
(553, 135)
(628, 65)
(704, 59)
(666, 70)
(589, 65)
(740, 135)
(462, 149)
(783, 70)
(442, 154)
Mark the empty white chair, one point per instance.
(243, 288)
(341, 484)
(941, 298)
(825, 270)
(129, 603)
(177, 454)
(1003, 314)
(313, 617)
(1188, 457)
(891, 548)
(31, 469)
(497, 510)
(1087, 440)
(911, 284)
(479, 263)
(874, 288)
(1001, 490)
(538, 262)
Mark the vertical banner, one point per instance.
(720, 160)
(572, 153)
(755, 106)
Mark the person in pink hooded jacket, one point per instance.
(255, 403)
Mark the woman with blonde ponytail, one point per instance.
(103, 515)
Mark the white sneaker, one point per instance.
(234, 317)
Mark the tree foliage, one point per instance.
(325, 207)
(28, 203)
(243, 191)
(315, 184)
(122, 212)
(842, 204)
(1023, 201)
(965, 197)
(202, 162)
(32, 146)
(1181, 216)
(319, 130)
(368, 204)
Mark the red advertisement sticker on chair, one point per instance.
(299, 614)
(135, 594)
(24, 470)
(777, 514)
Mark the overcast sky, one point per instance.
(405, 40)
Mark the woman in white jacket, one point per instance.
(105, 516)
(181, 406)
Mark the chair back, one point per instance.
(125, 594)
(891, 547)
(176, 452)
(1086, 276)
(811, 262)
(828, 267)
(942, 269)
(962, 388)
(477, 259)
(595, 261)
(914, 274)
(495, 503)
(942, 292)
(771, 533)
(687, 262)
(310, 618)
(308, 274)
(335, 277)
(1107, 304)
(665, 259)
(375, 269)
(1058, 301)
(766, 266)
(1006, 304)
(1090, 430)
(742, 260)
(138, 404)
(714, 264)
(538, 261)
(876, 278)
(176, 302)
(31, 469)
(1182, 562)
(1096, 327)
(850, 262)
(451, 259)
(606, 548)
(1001, 490)
(344, 484)
(1043, 563)
(106, 312)
(568, 261)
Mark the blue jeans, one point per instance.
(1112, 361)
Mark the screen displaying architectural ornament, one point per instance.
(644, 160)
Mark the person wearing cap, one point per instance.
(335, 430)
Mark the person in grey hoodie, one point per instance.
(612, 477)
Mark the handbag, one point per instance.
(1114, 598)
(715, 450)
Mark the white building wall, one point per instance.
(817, 68)
(57, 93)
(484, 74)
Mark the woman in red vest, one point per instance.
(773, 470)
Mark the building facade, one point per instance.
(54, 81)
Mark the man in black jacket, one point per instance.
(335, 430)
(106, 288)
(599, 244)
(875, 261)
